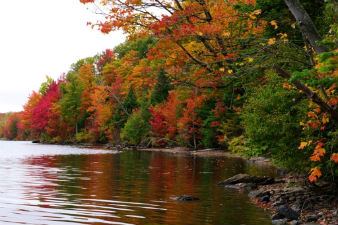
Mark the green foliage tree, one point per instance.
(141, 46)
(44, 86)
(161, 89)
(71, 100)
(271, 118)
(125, 109)
(137, 128)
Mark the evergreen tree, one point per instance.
(125, 109)
(162, 88)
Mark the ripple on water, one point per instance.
(51, 184)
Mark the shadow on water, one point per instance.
(67, 185)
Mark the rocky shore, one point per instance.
(291, 199)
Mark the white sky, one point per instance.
(43, 37)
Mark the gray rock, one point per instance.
(278, 203)
(294, 222)
(259, 193)
(245, 178)
(246, 186)
(287, 212)
(276, 217)
(280, 222)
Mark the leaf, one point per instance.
(315, 174)
(303, 145)
(272, 41)
(274, 23)
(334, 157)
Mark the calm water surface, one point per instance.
(49, 184)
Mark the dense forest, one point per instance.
(255, 77)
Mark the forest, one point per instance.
(256, 77)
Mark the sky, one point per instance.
(44, 37)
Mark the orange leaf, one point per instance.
(334, 157)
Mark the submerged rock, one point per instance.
(185, 198)
(246, 179)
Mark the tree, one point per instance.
(161, 89)
(125, 109)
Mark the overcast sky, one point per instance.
(43, 37)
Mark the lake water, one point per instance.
(51, 184)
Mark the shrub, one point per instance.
(271, 118)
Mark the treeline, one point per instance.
(256, 77)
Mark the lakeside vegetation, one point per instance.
(256, 77)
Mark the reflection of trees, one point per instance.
(133, 180)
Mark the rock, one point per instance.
(265, 199)
(36, 141)
(312, 218)
(245, 178)
(276, 217)
(294, 222)
(185, 198)
(279, 222)
(246, 186)
(259, 193)
(287, 212)
(278, 203)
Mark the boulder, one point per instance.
(287, 212)
(245, 178)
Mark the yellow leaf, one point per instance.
(283, 36)
(274, 23)
(257, 12)
(325, 120)
(250, 59)
(230, 71)
(221, 69)
(293, 25)
(272, 41)
(302, 145)
(226, 34)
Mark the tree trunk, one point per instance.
(308, 29)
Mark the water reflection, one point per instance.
(64, 185)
